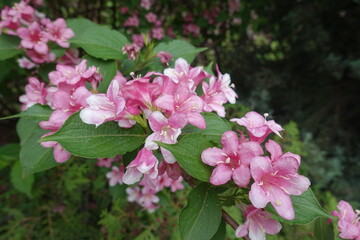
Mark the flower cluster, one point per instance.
(166, 102)
(35, 31)
(66, 95)
(275, 177)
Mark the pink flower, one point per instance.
(40, 58)
(191, 28)
(35, 93)
(26, 63)
(115, 176)
(33, 38)
(132, 21)
(232, 161)
(349, 221)
(131, 50)
(104, 107)
(145, 164)
(71, 57)
(71, 99)
(184, 101)
(234, 6)
(71, 75)
(275, 182)
(59, 33)
(166, 181)
(166, 131)
(172, 170)
(56, 120)
(157, 33)
(259, 128)
(124, 10)
(258, 222)
(151, 17)
(146, 4)
(165, 57)
(184, 73)
(276, 153)
(138, 39)
(107, 162)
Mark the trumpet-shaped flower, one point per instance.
(33, 38)
(232, 161)
(349, 221)
(166, 131)
(35, 93)
(275, 183)
(259, 128)
(258, 222)
(276, 153)
(116, 175)
(59, 33)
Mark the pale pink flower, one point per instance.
(145, 164)
(26, 63)
(232, 161)
(183, 72)
(165, 57)
(132, 21)
(35, 93)
(146, 4)
(104, 107)
(157, 33)
(131, 50)
(59, 33)
(259, 128)
(258, 222)
(33, 38)
(166, 131)
(234, 5)
(349, 221)
(116, 175)
(166, 181)
(148, 199)
(275, 182)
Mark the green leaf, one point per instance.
(101, 42)
(9, 46)
(179, 48)
(209, 67)
(201, 217)
(221, 232)
(79, 25)
(306, 207)
(21, 183)
(188, 151)
(323, 230)
(36, 111)
(105, 141)
(33, 157)
(9, 153)
(107, 70)
(215, 127)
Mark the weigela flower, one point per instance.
(157, 33)
(259, 128)
(40, 58)
(183, 72)
(275, 182)
(145, 164)
(276, 153)
(165, 57)
(116, 175)
(183, 100)
(132, 21)
(146, 4)
(151, 17)
(166, 131)
(33, 38)
(35, 93)
(26, 63)
(59, 33)
(258, 222)
(349, 221)
(232, 161)
(107, 162)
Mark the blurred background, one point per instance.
(298, 60)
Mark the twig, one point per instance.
(229, 220)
